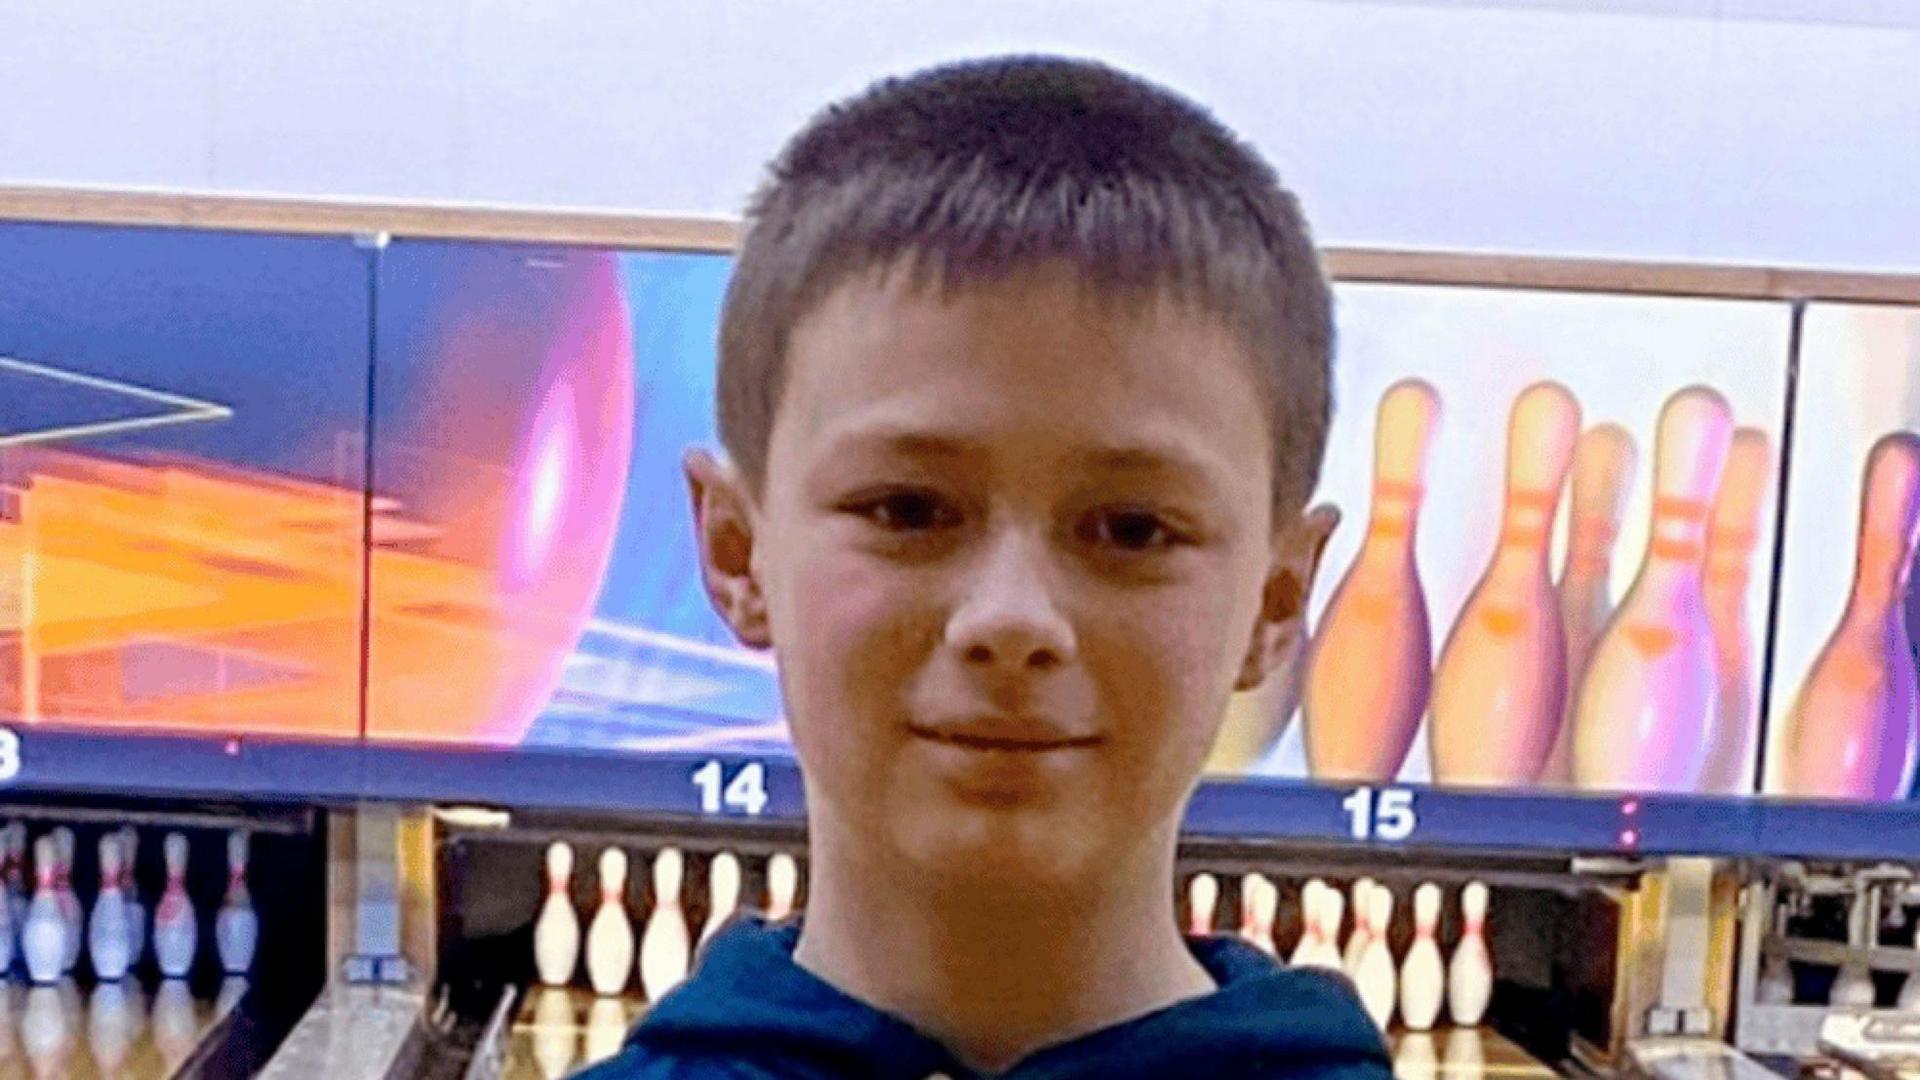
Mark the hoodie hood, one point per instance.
(750, 1005)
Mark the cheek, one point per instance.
(847, 634)
(1169, 665)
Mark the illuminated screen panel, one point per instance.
(182, 460)
(534, 584)
(1842, 708)
(533, 571)
(1473, 600)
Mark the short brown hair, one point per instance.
(969, 172)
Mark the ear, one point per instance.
(1280, 630)
(724, 523)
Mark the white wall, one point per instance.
(1761, 131)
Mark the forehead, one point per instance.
(1036, 363)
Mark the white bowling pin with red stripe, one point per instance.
(1854, 728)
(556, 932)
(109, 937)
(723, 893)
(69, 901)
(236, 928)
(43, 934)
(665, 945)
(176, 929)
(1501, 686)
(1470, 972)
(1203, 899)
(136, 908)
(1644, 715)
(1372, 655)
(610, 935)
(1423, 974)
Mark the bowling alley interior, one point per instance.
(367, 711)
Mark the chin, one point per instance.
(998, 847)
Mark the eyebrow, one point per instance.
(1135, 457)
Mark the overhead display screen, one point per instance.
(308, 516)
(182, 477)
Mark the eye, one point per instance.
(906, 511)
(1129, 529)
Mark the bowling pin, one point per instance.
(723, 892)
(236, 929)
(110, 1026)
(43, 937)
(1371, 660)
(136, 908)
(1644, 712)
(556, 1033)
(1603, 465)
(1310, 913)
(1854, 728)
(1249, 901)
(1333, 904)
(109, 943)
(556, 933)
(1374, 976)
(1500, 690)
(69, 902)
(1260, 901)
(783, 884)
(665, 946)
(1318, 949)
(1732, 533)
(1203, 898)
(176, 929)
(1470, 972)
(1423, 974)
(1357, 940)
(606, 1027)
(610, 935)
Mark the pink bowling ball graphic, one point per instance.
(498, 478)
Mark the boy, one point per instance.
(1023, 385)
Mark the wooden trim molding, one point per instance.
(623, 229)
(249, 213)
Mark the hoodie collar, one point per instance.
(749, 998)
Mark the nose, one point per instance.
(1007, 618)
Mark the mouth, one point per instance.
(1004, 739)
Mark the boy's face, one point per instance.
(1014, 549)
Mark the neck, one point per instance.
(996, 972)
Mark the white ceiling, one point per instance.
(1890, 13)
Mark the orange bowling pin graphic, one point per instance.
(1368, 677)
(1500, 688)
(1732, 533)
(1852, 731)
(1644, 712)
(1603, 465)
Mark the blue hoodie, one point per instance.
(749, 1012)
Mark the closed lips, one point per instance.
(1001, 739)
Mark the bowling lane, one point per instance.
(115, 1030)
(1462, 1054)
(559, 1031)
